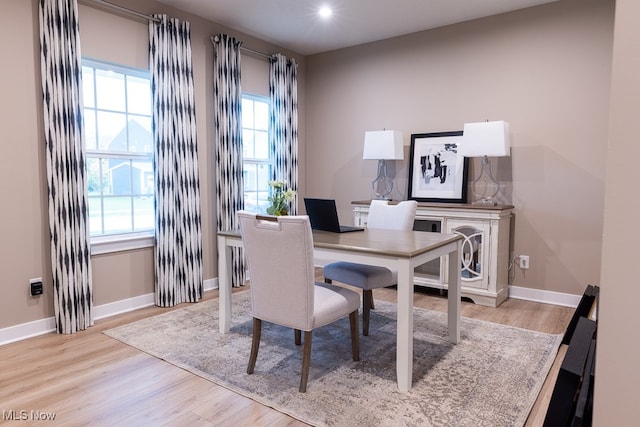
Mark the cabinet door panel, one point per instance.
(474, 259)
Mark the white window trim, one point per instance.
(111, 243)
(256, 161)
(121, 242)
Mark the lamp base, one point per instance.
(382, 185)
(485, 187)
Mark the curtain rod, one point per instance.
(128, 11)
(124, 10)
(215, 39)
(255, 52)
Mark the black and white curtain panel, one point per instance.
(178, 246)
(283, 92)
(68, 209)
(227, 96)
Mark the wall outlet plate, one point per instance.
(35, 287)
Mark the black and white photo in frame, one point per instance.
(436, 172)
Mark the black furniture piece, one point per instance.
(572, 399)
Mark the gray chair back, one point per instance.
(279, 252)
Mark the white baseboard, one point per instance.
(546, 297)
(123, 306)
(27, 330)
(210, 284)
(45, 326)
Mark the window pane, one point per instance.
(247, 144)
(255, 149)
(117, 215)
(263, 178)
(90, 138)
(263, 202)
(262, 116)
(105, 181)
(120, 173)
(95, 216)
(88, 98)
(250, 177)
(112, 131)
(140, 137)
(110, 92)
(144, 219)
(138, 95)
(93, 176)
(119, 144)
(251, 202)
(142, 177)
(247, 113)
(262, 145)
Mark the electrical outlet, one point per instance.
(524, 262)
(35, 286)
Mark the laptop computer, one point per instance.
(323, 215)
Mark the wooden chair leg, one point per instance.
(355, 336)
(297, 336)
(255, 344)
(367, 297)
(306, 360)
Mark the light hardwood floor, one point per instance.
(91, 379)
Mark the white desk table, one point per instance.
(402, 251)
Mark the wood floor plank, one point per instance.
(91, 379)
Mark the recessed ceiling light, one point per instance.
(325, 12)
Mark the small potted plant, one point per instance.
(280, 198)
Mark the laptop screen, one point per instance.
(323, 215)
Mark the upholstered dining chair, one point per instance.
(279, 253)
(383, 215)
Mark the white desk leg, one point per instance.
(404, 333)
(454, 294)
(224, 284)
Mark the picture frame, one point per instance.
(436, 172)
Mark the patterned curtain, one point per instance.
(178, 251)
(68, 211)
(228, 139)
(283, 91)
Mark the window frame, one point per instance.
(117, 242)
(268, 162)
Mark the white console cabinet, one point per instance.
(485, 248)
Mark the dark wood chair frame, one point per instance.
(306, 350)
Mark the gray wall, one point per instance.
(618, 351)
(545, 70)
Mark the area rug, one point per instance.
(491, 378)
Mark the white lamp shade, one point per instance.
(485, 139)
(383, 145)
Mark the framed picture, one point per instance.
(436, 172)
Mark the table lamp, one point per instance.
(485, 139)
(382, 146)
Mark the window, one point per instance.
(119, 149)
(255, 151)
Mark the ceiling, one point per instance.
(296, 25)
